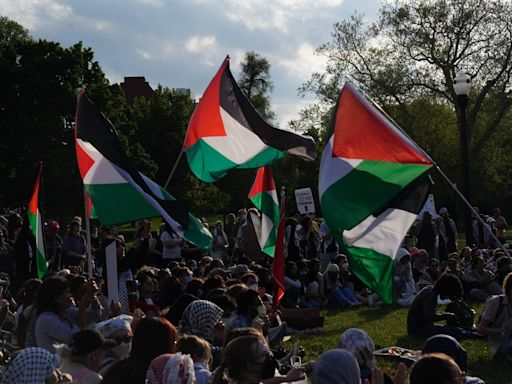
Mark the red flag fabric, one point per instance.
(278, 262)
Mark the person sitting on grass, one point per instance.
(360, 344)
(422, 313)
(496, 322)
(452, 348)
(336, 292)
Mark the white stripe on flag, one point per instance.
(383, 234)
(332, 168)
(239, 145)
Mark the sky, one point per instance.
(182, 43)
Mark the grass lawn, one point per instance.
(386, 325)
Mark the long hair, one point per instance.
(50, 289)
(152, 337)
(236, 355)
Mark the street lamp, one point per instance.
(462, 86)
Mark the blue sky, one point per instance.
(181, 43)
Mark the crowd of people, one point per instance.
(186, 316)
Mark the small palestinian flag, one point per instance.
(264, 197)
(371, 188)
(225, 132)
(37, 225)
(118, 192)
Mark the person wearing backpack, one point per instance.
(496, 322)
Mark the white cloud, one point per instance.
(281, 15)
(154, 3)
(32, 14)
(304, 63)
(200, 43)
(205, 47)
(288, 109)
(145, 55)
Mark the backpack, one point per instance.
(465, 315)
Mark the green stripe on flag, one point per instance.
(374, 269)
(37, 230)
(119, 203)
(364, 190)
(209, 165)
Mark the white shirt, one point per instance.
(174, 252)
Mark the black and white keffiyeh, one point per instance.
(31, 366)
(199, 318)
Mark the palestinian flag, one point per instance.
(118, 192)
(225, 132)
(371, 188)
(36, 223)
(278, 261)
(263, 195)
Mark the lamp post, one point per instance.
(462, 86)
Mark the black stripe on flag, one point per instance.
(93, 127)
(413, 197)
(234, 102)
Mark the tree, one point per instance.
(255, 82)
(407, 60)
(37, 106)
(11, 32)
(161, 124)
(415, 49)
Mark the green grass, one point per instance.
(386, 325)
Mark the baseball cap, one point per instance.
(87, 341)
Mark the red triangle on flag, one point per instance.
(206, 119)
(361, 132)
(85, 162)
(263, 182)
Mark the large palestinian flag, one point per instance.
(263, 195)
(36, 223)
(372, 185)
(225, 132)
(118, 192)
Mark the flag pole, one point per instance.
(470, 207)
(88, 236)
(173, 168)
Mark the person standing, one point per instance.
(73, 246)
(172, 242)
(501, 225)
(53, 244)
(426, 235)
(447, 234)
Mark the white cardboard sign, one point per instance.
(304, 199)
(111, 264)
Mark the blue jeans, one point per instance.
(505, 349)
(343, 296)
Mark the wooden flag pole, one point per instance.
(174, 168)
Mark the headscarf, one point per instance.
(114, 325)
(31, 366)
(199, 318)
(171, 369)
(357, 342)
(449, 346)
(336, 366)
